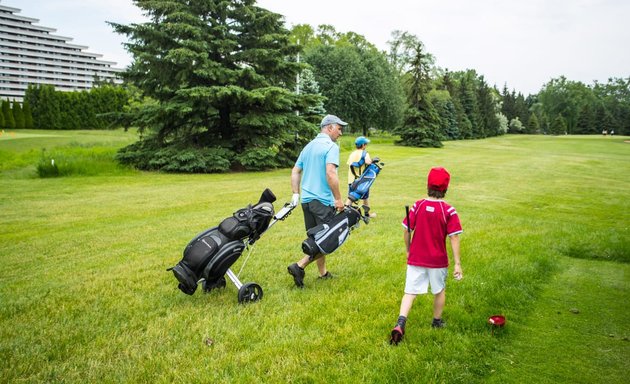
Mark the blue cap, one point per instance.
(361, 140)
(331, 119)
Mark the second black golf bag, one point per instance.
(361, 186)
(209, 256)
(326, 238)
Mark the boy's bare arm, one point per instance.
(407, 237)
(457, 269)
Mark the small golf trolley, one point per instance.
(209, 256)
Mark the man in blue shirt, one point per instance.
(315, 174)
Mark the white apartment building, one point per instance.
(32, 54)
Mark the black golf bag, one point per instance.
(326, 238)
(209, 256)
(361, 186)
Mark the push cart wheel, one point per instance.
(207, 287)
(249, 292)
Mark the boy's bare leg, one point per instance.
(399, 330)
(438, 304)
(406, 303)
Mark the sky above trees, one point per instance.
(522, 43)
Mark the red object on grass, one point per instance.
(497, 320)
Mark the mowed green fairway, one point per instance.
(85, 296)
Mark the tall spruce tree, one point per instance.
(533, 125)
(421, 121)
(468, 97)
(9, 120)
(18, 115)
(558, 126)
(223, 76)
(587, 121)
(28, 114)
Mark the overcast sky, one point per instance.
(523, 43)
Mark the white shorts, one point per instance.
(419, 279)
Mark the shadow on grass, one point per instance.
(619, 252)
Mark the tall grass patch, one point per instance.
(30, 153)
(79, 160)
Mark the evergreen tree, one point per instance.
(464, 126)
(421, 123)
(544, 124)
(9, 120)
(445, 108)
(521, 108)
(558, 126)
(18, 115)
(46, 106)
(2, 124)
(533, 126)
(508, 103)
(605, 119)
(222, 74)
(28, 115)
(309, 85)
(468, 97)
(587, 121)
(488, 109)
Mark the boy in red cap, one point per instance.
(431, 220)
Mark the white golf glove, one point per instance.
(295, 199)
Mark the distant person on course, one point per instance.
(358, 160)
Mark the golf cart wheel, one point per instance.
(249, 292)
(207, 287)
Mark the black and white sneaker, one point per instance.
(438, 323)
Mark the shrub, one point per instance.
(144, 155)
(259, 158)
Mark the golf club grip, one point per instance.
(407, 215)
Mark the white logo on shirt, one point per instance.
(430, 209)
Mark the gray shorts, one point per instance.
(316, 213)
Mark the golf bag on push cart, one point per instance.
(209, 256)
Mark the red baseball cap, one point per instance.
(438, 179)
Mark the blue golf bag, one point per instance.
(209, 256)
(361, 186)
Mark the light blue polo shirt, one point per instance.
(312, 160)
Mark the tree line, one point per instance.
(217, 86)
(15, 115)
(91, 109)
